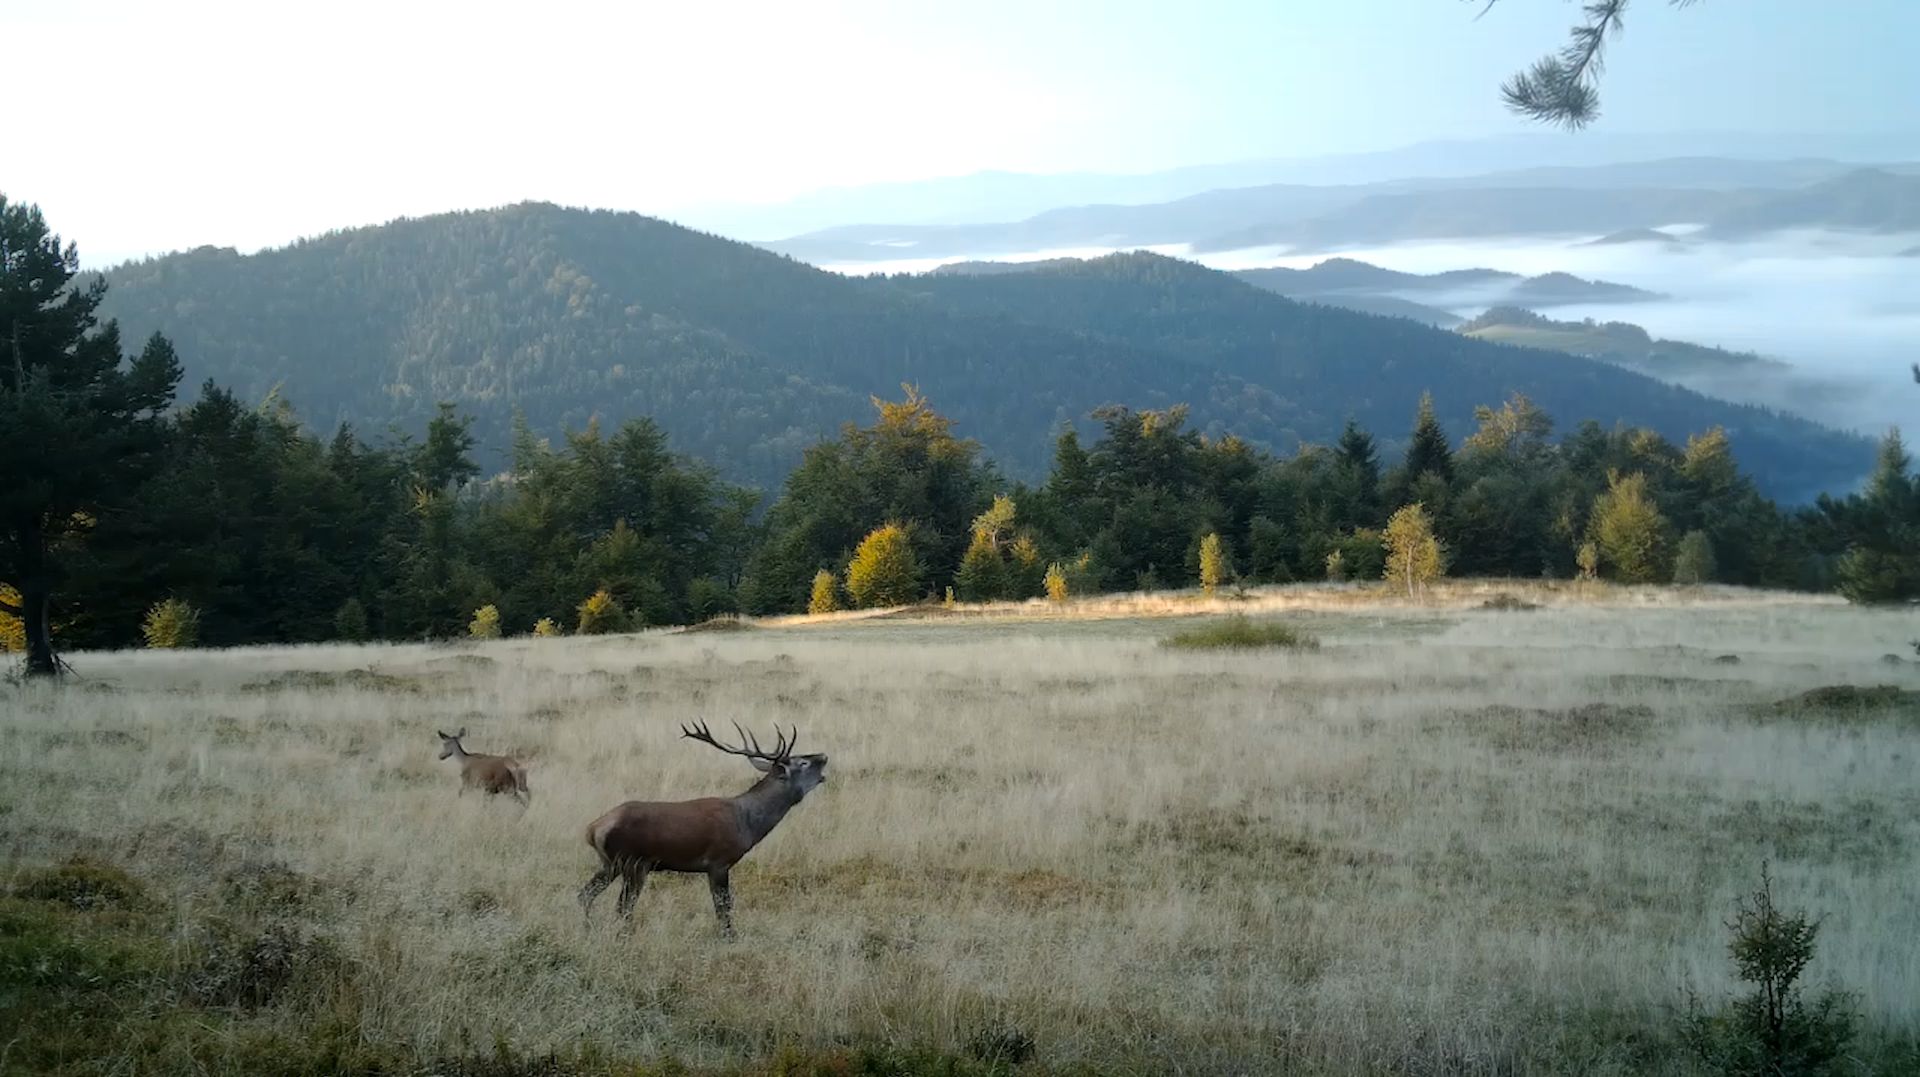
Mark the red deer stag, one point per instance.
(488, 773)
(708, 835)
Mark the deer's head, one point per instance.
(450, 745)
(801, 772)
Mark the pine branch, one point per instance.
(1562, 88)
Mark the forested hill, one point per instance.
(746, 357)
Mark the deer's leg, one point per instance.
(600, 881)
(632, 878)
(722, 888)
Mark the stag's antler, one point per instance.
(750, 746)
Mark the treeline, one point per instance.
(227, 523)
(271, 534)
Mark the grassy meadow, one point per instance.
(1447, 840)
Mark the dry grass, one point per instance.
(1452, 840)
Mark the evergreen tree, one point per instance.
(1630, 531)
(1880, 530)
(1357, 472)
(1427, 450)
(884, 570)
(80, 426)
(1026, 571)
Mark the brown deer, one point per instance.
(707, 836)
(488, 773)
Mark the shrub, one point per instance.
(884, 571)
(1773, 1031)
(600, 614)
(350, 621)
(545, 627)
(1057, 583)
(826, 593)
(485, 623)
(1693, 560)
(1238, 632)
(1337, 567)
(1587, 558)
(1213, 564)
(171, 623)
(708, 598)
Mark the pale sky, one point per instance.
(141, 127)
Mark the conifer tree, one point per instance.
(1428, 452)
(80, 426)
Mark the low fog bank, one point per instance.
(1843, 309)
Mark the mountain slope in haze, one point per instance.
(745, 358)
(1871, 200)
(1610, 158)
(1615, 342)
(1350, 277)
(1620, 198)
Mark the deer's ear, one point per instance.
(462, 733)
(761, 765)
(441, 735)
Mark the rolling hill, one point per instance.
(745, 357)
(1615, 342)
(1337, 277)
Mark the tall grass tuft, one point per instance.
(1239, 632)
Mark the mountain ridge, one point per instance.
(746, 357)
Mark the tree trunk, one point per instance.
(34, 600)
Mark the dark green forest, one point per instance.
(745, 358)
(121, 495)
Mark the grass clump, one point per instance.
(1505, 601)
(84, 884)
(1239, 632)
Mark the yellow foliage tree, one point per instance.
(1213, 564)
(826, 593)
(545, 627)
(601, 613)
(485, 623)
(884, 571)
(1413, 554)
(1056, 583)
(171, 623)
(13, 632)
